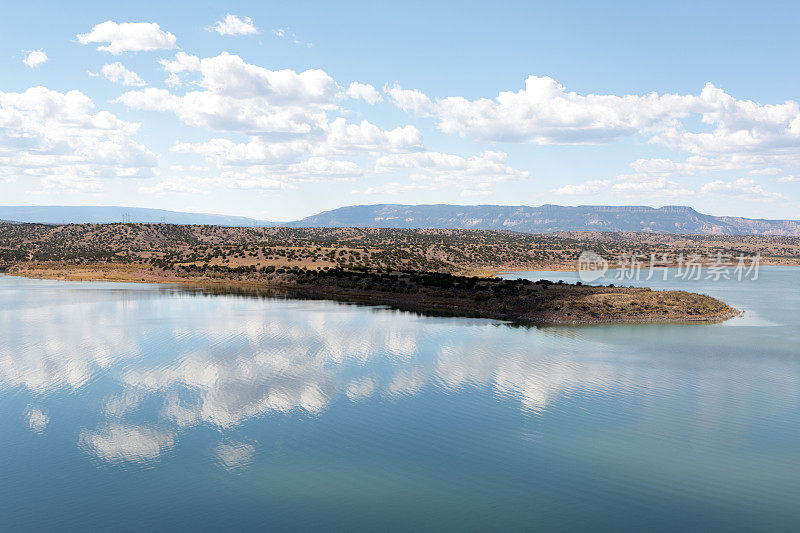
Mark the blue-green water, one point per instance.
(127, 406)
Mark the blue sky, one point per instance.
(288, 109)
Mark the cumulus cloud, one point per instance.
(789, 179)
(627, 185)
(291, 138)
(70, 181)
(397, 187)
(224, 152)
(473, 175)
(57, 136)
(316, 167)
(740, 126)
(410, 100)
(128, 37)
(769, 171)
(35, 58)
(489, 164)
(364, 91)
(337, 138)
(583, 189)
(183, 62)
(262, 176)
(118, 73)
(233, 25)
(244, 98)
(344, 137)
(544, 112)
(743, 188)
(178, 185)
(648, 186)
(739, 134)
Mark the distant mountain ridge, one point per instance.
(548, 218)
(543, 219)
(67, 214)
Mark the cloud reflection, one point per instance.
(234, 455)
(37, 419)
(175, 361)
(118, 442)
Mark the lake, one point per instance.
(135, 406)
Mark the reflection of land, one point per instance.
(225, 361)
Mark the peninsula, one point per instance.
(436, 271)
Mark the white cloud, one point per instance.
(628, 186)
(70, 181)
(117, 73)
(253, 178)
(128, 37)
(693, 165)
(583, 189)
(291, 138)
(230, 75)
(244, 98)
(183, 62)
(233, 25)
(741, 126)
(178, 185)
(264, 177)
(286, 33)
(789, 179)
(769, 171)
(744, 135)
(410, 100)
(396, 187)
(473, 193)
(337, 138)
(740, 188)
(317, 167)
(489, 164)
(117, 443)
(364, 91)
(35, 58)
(474, 175)
(342, 137)
(57, 137)
(648, 186)
(224, 152)
(543, 112)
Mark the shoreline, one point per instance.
(573, 308)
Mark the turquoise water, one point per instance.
(129, 407)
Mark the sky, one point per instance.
(281, 110)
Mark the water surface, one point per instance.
(134, 406)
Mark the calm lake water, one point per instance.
(129, 407)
